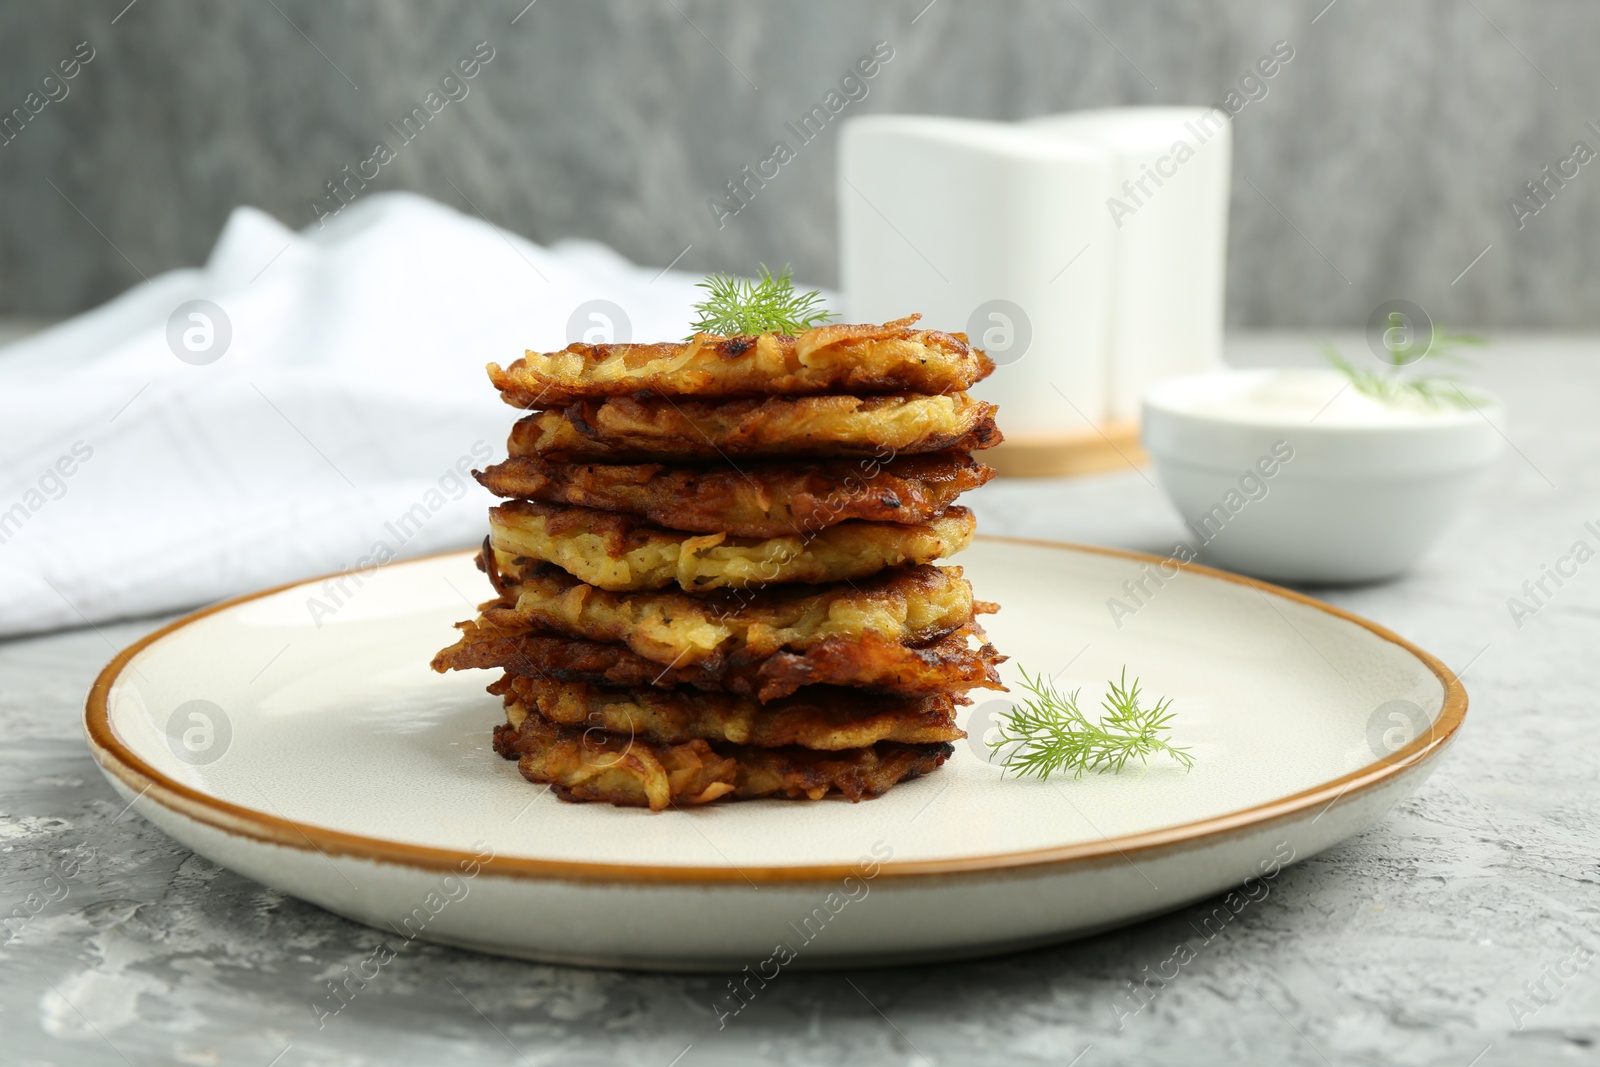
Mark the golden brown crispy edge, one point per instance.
(756, 499)
(858, 359)
(586, 765)
(644, 429)
(946, 664)
(734, 627)
(620, 552)
(824, 718)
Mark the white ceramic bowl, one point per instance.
(1293, 475)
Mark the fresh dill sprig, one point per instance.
(1393, 385)
(743, 307)
(1048, 733)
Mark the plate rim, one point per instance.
(116, 759)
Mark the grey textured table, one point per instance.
(1424, 941)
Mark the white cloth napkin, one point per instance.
(335, 430)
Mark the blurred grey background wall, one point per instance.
(1378, 164)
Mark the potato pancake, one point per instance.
(892, 358)
(758, 499)
(947, 664)
(658, 428)
(733, 627)
(824, 718)
(620, 552)
(590, 765)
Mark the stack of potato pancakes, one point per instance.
(715, 564)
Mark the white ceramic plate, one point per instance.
(321, 756)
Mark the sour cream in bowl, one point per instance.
(1296, 475)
